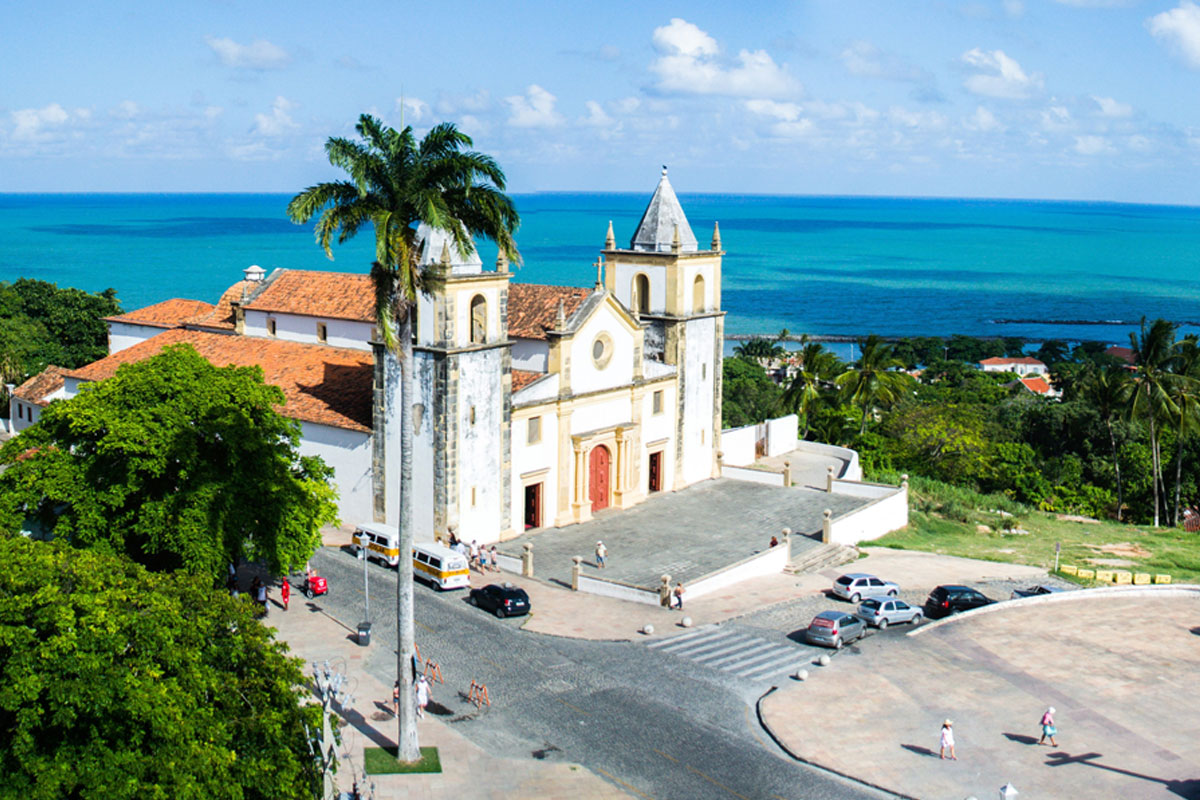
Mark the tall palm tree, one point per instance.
(1106, 389)
(396, 184)
(874, 380)
(1148, 394)
(760, 349)
(1185, 394)
(812, 381)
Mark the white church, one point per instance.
(535, 406)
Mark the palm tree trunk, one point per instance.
(1112, 439)
(1154, 468)
(409, 747)
(1178, 468)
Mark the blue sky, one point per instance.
(1087, 99)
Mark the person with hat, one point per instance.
(601, 554)
(948, 740)
(1048, 729)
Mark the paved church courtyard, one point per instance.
(686, 534)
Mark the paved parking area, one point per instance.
(1119, 669)
(685, 534)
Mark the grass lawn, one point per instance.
(382, 761)
(1098, 545)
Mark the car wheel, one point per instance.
(500, 612)
(916, 620)
(471, 599)
(308, 593)
(837, 643)
(854, 598)
(892, 593)
(883, 623)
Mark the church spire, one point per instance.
(716, 240)
(610, 241)
(656, 232)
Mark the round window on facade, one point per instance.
(602, 350)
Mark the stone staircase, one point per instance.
(817, 558)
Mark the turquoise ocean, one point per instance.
(818, 265)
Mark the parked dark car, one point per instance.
(503, 601)
(946, 600)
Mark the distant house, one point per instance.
(1020, 366)
(27, 400)
(1039, 385)
(1124, 353)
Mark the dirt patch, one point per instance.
(1111, 562)
(1121, 549)
(1076, 518)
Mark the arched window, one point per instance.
(698, 294)
(478, 319)
(641, 294)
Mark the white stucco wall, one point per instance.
(122, 335)
(298, 328)
(883, 516)
(753, 475)
(480, 452)
(737, 446)
(423, 450)
(529, 458)
(349, 453)
(462, 312)
(782, 434)
(698, 400)
(706, 271)
(540, 390)
(618, 371)
(769, 562)
(601, 413)
(532, 355)
(852, 471)
(658, 285)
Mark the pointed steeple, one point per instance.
(656, 232)
(610, 241)
(562, 317)
(501, 262)
(716, 240)
(445, 260)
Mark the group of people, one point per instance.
(478, 555)
(258, 589)
(423, 693)
(1049, 731)
(671, 599)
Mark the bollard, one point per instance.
(829, 479)
(823, 659)
(787, 473)
(576, 568)
(648, 629)
(801, 675)
(686, 622)
(527, 560)
(785, 538)
(827, 527)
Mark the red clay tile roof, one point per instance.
(1126, 354)
(522, 378)
(1036, 384)
(335, 295)
(327, 385)
(221, 316)
(46, 382)
(533, 308)
(1003, 361)
(167, 314)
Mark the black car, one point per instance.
(503, 601)
(946, 600)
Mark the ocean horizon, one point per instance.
(822, 265)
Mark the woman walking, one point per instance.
(948, 740)
(1048, 729)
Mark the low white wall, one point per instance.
(782, 434)
(511, 563)
(737, 446)
(752, 475)
(871, 521)
(769, 562)
(621, 591)
(868, 490)
(852, 471)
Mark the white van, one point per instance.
(382, 542)
(441, 566)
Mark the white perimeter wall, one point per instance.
(753, 475)
(698, 400)
(535, 457)
(297, 328)
(480, 454)
(782, 434)
(122, 335)
(883, 516)
(349, 453)
(852, 470)
(737, 446)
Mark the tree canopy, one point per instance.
(41, 324)
(121, 683)
(175, 462)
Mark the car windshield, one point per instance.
(870, 605)
(845, 580)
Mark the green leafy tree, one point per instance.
(395, 184)
(812, 383)
(1148, 393)
(42, 324)
(1105, 390)
(873, 381)
(748, 396)
(121, 683)
(1053, 351)
(175, 462)
(1185, 400)
(760, 349)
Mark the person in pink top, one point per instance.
(1048, 729)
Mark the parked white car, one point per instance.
(857, 585)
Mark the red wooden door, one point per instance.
(598, 477)
(656, 472)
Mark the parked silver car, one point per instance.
(884, 611)
(835, 628)
(857, 585)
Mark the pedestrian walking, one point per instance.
(947, 742)
(483, 559)
(285, 593)
(601, 554)
(678, 595)
(260, 596)
(1048, 729)
(423, 692)
(495, 563)
(474, 554)
(396, 698)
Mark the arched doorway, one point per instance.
(598, 477)
(698, 294)
(641, 294)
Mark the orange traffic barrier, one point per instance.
(478, 694)
(433, 672)
(417, 651)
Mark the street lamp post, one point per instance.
(364, 627)
(331, 687)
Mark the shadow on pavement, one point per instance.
(1186, 788)
(921, 751)
(1020, 737)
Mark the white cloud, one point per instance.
(788, 112)
(1139, 143)
(627, 105)
(471, 103)
(917, 120)
(259, 54)
(278, 122)
(413, 108)
(1093, 146)
(1111, 108)
(982, 120)
(126, 109)
(1014, 8)
(32, 124)
(689, 62)
(1179, 28)
(793, 130)
(534, 109)
(1094, 3)
(998, 75)
(1057, 119)
(866, 60)
(596, 115)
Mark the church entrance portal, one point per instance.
(598, 463)
(656, 471)
(533, 506)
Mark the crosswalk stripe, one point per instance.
(700, 645)
(774, 665)
(761, 657)
(744, 655)
(716, 648)
(758, 648)
(669, 644)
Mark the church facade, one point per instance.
(534, 406)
